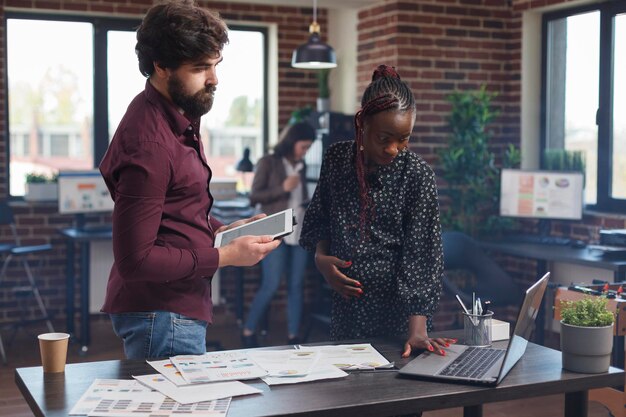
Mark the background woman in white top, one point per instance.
(278, 184)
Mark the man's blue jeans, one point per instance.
(291, 259)
(159, 334)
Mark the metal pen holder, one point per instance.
(477, 329)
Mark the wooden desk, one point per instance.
(82, 236)
(558, 253)
(378, 393)
(544, 253)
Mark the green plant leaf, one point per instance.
(37, 177)
(468, 165)
(588, 312)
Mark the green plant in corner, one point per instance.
(468, 165)
(512, 158)
(588, 312)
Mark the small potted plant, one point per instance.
(587, 334)
(41, 187)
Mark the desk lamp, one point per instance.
(245, 166)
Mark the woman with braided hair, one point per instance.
(374, 225)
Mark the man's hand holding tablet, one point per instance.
(246, 242)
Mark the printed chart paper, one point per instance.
(217, 366)
(317, 374)
(198, 392)
(166, 368)
(285, 363)
(121, 398)
(351, 357)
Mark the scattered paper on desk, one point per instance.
(198, 392)
(351, 357)
(112, 390)
(217, 366)
(317, 374)
(121, 398)
(166, 408)
(166, 368)
(288, 363)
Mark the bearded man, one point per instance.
(159, 289)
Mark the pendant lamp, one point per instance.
(314, 54)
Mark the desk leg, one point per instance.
(473, 411)
(84, 297)
(69, 287)
(576, 404)
(617, 359)
(239, 271)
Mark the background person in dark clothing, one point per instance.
(280, 183)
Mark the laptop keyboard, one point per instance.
(473, 363)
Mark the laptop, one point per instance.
(482, 365)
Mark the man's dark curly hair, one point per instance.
(176, 32)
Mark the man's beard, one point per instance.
(194, 105)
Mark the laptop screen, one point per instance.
(524, 325)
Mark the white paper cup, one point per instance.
(53, 348)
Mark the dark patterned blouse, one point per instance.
(399, 261)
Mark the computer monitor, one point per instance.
(82, 192)
(556, 195)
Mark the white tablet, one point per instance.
(277, 225)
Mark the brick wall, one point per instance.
(39, 222)
(442, 46)
(522, 5)
(439, 47)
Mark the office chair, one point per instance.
(23, 292)
(461, 252)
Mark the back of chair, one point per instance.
(6, 213)
(7, 219)
(493, 283)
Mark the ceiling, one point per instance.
(334, 4)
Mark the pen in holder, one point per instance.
(477, 329)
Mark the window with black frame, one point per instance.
(584, 96)
(67, 94)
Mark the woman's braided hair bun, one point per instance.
(385, 71)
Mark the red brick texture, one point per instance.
(439, 47)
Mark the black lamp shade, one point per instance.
(245, 164)
(314, 54)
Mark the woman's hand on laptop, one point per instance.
(419, 340)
